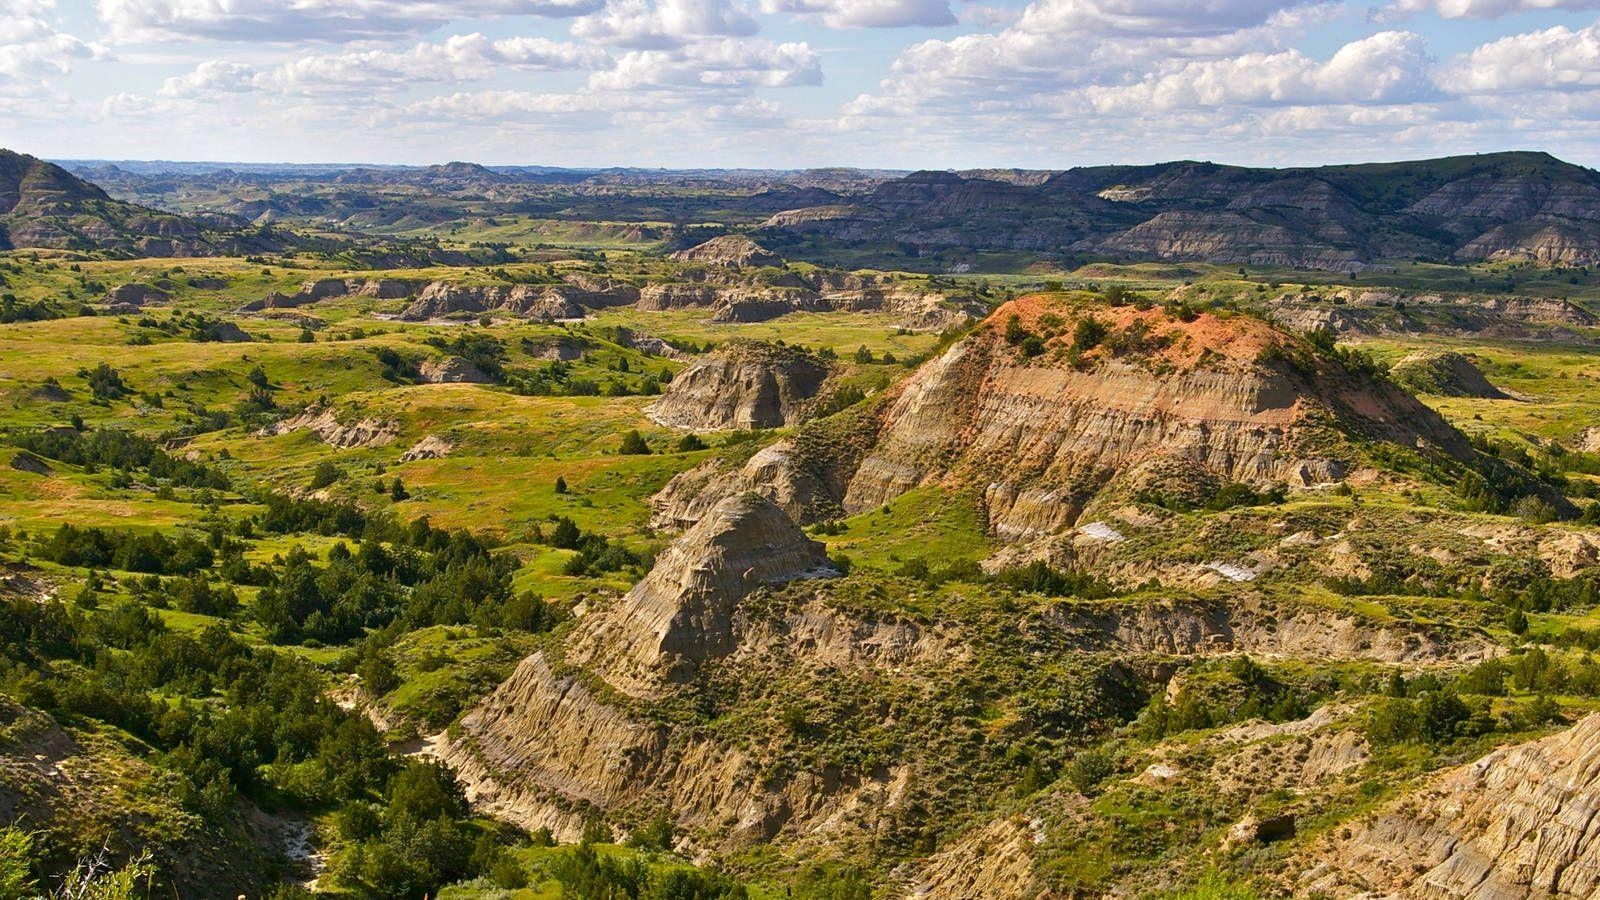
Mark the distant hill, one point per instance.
(1495, 206)
(43, 205)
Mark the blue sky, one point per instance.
(789, 83)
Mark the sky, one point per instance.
(902, 84)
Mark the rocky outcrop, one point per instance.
(1225, 237)
(544, 749)
(136, 294)
(1044, 433)
(658, 297)
(1445, 373)
(325, 424)
(318, 289)
(430, 447)
(743, 384)
(734, 251)
(774, 472)
(451, 370)
(680, 615)
(443, 299)
(1519, 822)
(1544, 239)
(1254, 626)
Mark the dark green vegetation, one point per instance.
(259, 563)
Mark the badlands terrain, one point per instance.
(1179, 531)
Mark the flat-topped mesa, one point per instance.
(731, 250)
(743, 384)
(1050, 400)
(681, 614)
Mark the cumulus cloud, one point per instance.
(867, 13)
(459, 58)
(727, 63)
(32, 48)
(308, 20)
(1481, 9)
(1389, 67)
(1555, 59)
(1148, 17)
(664, 24)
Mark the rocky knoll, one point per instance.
(548, 741)
(733, 251)
(743, 384)
(681, 613)
(1044, 432)
(1519, 822)
(1443, 372)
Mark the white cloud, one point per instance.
(32, 48)
(1556, 59)
(664, 24)
(1389, 67)
(458, 58)
(1148, 17)
(720, 64)
(867, 13)
(308, 20)
(1482, 9)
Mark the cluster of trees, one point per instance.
(482, 349)
(121, 451)
(15, 310)
(1243, 689)
(596, 554)
(425, 577)
(236, 720)
(1434, 710)
(132, 551)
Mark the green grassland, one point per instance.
(983, 713)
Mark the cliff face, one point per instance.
(742, 385)
(1045, 433)
(1519, 822)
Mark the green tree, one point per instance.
(633, 444)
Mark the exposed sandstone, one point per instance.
(732, 250)
(451, 370)
(1249, 625)
(538, 302)
(742, 385)
(1519, 822)
(1045, 434)
(325, 424)
(136, 294)
(680, 614)
(430, 447)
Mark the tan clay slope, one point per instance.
(743, 384)
(681, 613)
(1045, 433)
(1523, 821)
